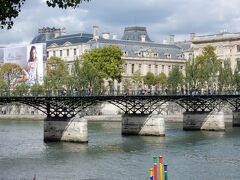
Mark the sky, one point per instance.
(161, 18)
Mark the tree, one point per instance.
(225, 77)
(10, 9)
(207, 67)
(161, 80)
(175, 79)
(11, 73)
(236, 78)
(89, 77)
(149, 79)
(191, 74)
(137, 79)
(57, 73)
(107, 61)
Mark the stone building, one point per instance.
(227, 46)
(140, 53)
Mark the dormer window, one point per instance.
(167, 55)
(155, 54)
(125, 53)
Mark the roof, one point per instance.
(134, 47)
(135, 34)
(184, 45)
(73, 39)
(42, 38)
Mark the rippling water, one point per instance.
(108, 155)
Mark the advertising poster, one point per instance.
(30, 58)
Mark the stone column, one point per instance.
(66, 129)
(209, 121)
(146, 125)
(236, 118)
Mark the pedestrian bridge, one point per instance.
(202, 111)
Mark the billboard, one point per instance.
(30, 58)
(1, 55)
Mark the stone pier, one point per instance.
(145, 125)
(198, 120)
(66, 129)
(236, 118)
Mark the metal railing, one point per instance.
(85, 92)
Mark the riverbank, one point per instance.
(104, 118)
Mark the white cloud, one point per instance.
(161, 18)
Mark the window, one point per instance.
(149, 68)
(125, 68)
(169, 68)
(54, 53)
(60, 52)
(156, 69)
(238, 48)
(162, 68)
(47, 53)
(75, 51)
(132, 68)
(140, 68)
(67, 52)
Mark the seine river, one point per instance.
(110, 156)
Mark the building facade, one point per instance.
(227, 46)
(140, 53)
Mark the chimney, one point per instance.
(192, 36)
(114, 36)
(105, 35)
(171, 39)
(95, 32)
(143, 38)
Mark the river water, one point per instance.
(191, 155)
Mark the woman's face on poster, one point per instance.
(34, 54)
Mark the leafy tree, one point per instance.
(37, 89)
(207, 67)
(191, 74)
(10, 9)
(225, 78)
(107, 61)
(127, 85)
(89, 77)
(137, 78)
(149, 79)
(236, 78)
(57, 73)
(161, 80)
(11, 74)
(175, 79)
(22, 88)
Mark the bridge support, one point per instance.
(203, 120)
(66, 129)
(145, 125)
(236, 118)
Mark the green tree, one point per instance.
(89, 77)
(207, 67)
(137, 79)
(149, 79)
(175, 80)
(10, 9)
(191, 74)
(161, 81)
(11, 73)
(225, 77)
(37, 89)
(236, 78)
(107, 61)
(57, 73)
(22, 89)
